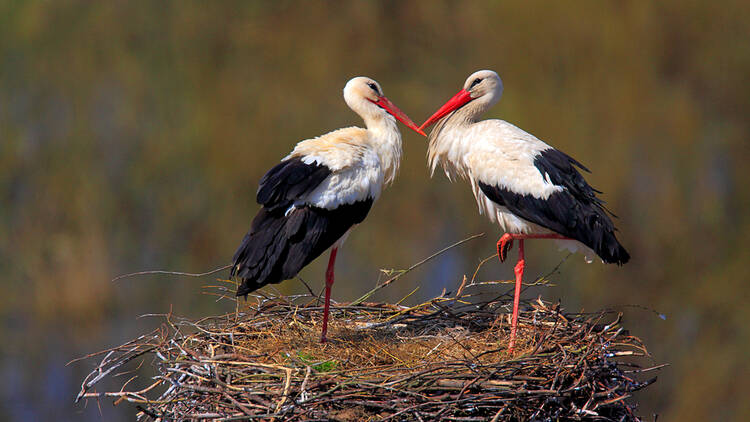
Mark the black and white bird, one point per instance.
(532, 191)
(320, 191)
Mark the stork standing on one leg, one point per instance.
(530, 189)
(324, 187)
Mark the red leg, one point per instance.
(509, 237)
(329, 283)
(503, 246)
(518, 270)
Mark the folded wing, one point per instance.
(288, 233)
(570, 209)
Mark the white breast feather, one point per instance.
(357, 171)
(352, 184)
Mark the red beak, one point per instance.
(391, 108)
(454, 103)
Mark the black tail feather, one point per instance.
(611, 251)
(281, 242)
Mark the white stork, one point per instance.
(320, 191)
(533, 191)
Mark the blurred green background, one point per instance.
(133, 135)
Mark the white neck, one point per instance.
(448, 144)
(386, 140)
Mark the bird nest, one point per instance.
(445, 359)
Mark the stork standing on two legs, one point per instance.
(319, 192)
(530, 189)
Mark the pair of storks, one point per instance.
(327, 185)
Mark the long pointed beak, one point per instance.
(394, 111)
(462, 97)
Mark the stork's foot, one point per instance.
(503, 246)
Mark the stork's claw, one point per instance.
(503, 246)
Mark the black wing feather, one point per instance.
(561, 169)
(289, 180)
(574, 212)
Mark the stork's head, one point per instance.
(365, 97)
(482, 89)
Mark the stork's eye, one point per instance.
(476, 81)
(374, 87)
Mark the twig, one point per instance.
(402, 272)
(216, 270)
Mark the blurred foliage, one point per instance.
(133, 135)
